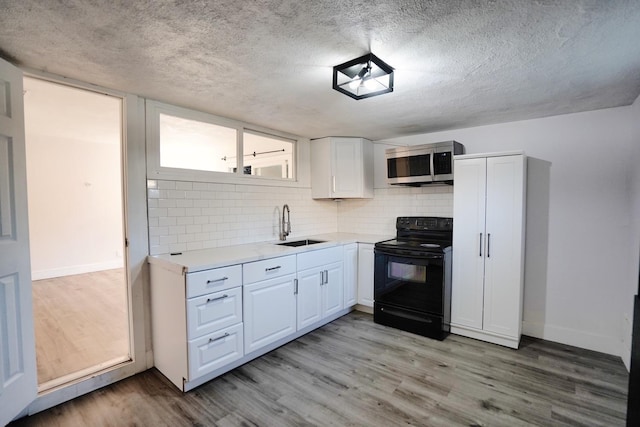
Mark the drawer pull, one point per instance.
(217, 299)
(218, 280)
(273, 268)
(226, 334)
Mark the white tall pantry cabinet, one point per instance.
(488, 247)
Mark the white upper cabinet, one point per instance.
(488, 247)
(341, 168)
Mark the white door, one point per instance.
(269, 309)
(310, 296)
(333, 289)
(347, 166)
(366, 266)
(469, 242)
(503, 262)
(18, 380)
(350, 275)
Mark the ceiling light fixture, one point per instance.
(363, 77)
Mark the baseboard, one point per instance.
(574, 337)
(76, 269)
(364, 308)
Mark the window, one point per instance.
(190, 145)
(267, 156)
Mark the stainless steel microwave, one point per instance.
(422, 164)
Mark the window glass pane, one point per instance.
(267, 155)
(190, 144)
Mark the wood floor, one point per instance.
(80, 322)
(353, 372)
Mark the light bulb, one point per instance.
(370, 83)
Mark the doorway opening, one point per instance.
(76, 225)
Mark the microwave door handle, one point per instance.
(432, 170)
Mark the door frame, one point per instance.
(136, 250)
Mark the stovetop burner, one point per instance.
(420, 235)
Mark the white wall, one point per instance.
(634, 259)
(578, 245)
(74, 180)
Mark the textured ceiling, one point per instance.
(269, 62)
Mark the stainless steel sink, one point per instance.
(296, 243)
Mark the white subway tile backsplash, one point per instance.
(378, 215)
(193, 215)
(184, 185)
(206, 215)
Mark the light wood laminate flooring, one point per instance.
(353, 372)
(80, 322)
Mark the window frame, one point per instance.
(155, 171)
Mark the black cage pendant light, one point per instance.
(363, 77)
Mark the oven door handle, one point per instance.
(407, 254)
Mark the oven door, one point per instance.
(415, 283)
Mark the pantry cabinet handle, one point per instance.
(273, 268)
(217, 280)
(326, 277)
(226, 334)
(217, 299)
(295, 286)
(480, 244)
(488, 245)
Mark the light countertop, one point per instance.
(205, 259)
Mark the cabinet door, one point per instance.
(347, 166)
(365, 274)
(469, 242)
(350, 274)
(269, 311)
(504, 261)
(333, 289)
(310, 296)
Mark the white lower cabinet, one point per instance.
(206, 323)
(365, 274)
(350, 266)
(196, 321)
(320, 285)
(269, 302)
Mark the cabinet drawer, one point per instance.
(212, 312)
(216, 279)
(320, 257)
(268, 269)
(213, 351)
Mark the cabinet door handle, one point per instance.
(326, 277)
(295, 286)
(217, 299)
(321, 277)
(272, 268)
(333, 183)
(218, 280)
(488, 245)
(226, 334)
(480, 244)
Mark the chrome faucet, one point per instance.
(285, 227)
